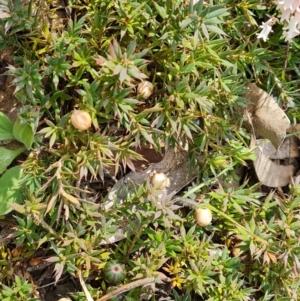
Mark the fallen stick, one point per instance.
(127, 287)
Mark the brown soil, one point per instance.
(8, 103)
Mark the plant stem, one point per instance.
(136, 236)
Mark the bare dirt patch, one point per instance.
(8, 103)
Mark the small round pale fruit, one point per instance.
(81, 120)
(160, 181)
(203, 217)
(145, 89)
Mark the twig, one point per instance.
(52, 283)
(132, 244)
(134, 284)
(83, 285)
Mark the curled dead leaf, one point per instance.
(288, 150)
(264, 116)
(268, 172)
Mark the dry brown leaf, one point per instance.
(267, 119)
(289, 149)
(150, 156)
(175, 165)
(270, 173)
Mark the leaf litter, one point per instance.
(265, 119)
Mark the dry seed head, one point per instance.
(145, 89)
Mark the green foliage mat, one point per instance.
(161, 75)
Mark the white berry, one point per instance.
(203, 217)
(160, 181)
(145, 89)
(81, 120)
